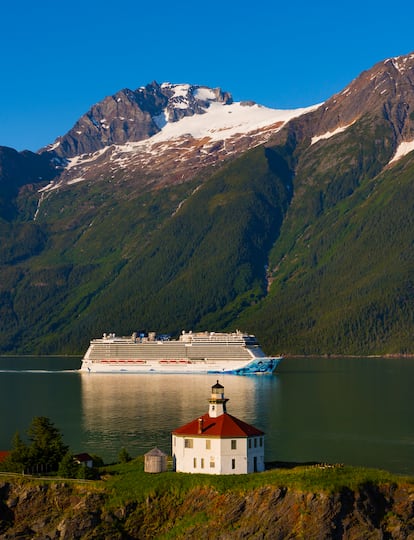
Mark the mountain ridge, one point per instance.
(179, 127)
(132, 116)
(299, 231)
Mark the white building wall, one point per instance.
(196, 457)
(233, 460)
(255, 454)
(218, 455)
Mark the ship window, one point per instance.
(234, 444)
(208, 444)
(188, 443)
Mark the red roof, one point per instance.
(3, 455)
(83, 457)
(224, 425)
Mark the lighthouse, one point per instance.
(217, 442)
(217, 401)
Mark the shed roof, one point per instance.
(224, 426)
(155, 452)
(82, 457)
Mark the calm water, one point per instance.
(354, 411)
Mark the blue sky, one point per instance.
(59, 58)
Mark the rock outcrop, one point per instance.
(69, 511)
(18, 169)
(134, 115)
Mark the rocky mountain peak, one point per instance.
(187, 100)
(135, 115)
(388, 85)
(168, 131)
(386, 91)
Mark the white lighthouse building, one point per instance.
(217, 442)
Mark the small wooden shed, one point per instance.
(155, 461)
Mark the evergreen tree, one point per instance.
(17, 460)
(47, 448)
(123, 456)
(68, 468)
(88, 473)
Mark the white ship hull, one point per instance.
(265, 365)
(192, 353)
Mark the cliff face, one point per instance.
(70, 511)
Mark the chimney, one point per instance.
(200, 426)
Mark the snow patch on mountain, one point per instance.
(220, 122)
(223, 121)
(198, 127)
(204, 93)
(83, 159)
(330, 134)
(403, 149)
(400, 62)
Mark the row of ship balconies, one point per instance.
(171, 350)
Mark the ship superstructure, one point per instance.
(192, 352)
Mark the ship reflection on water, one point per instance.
(312, 409)
(139, 412)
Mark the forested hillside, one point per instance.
(306, 241)
(343, 265)
(142, 264)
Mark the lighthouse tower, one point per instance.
(217, 401)
(217, 442)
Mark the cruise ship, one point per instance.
(193, 352)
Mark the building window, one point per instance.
(233, 444)
(255, 443)
(212, 464)
(250, 443)
(261, 441)
(233, 463)
(188, 443)
(195, 463)
(208, 444)
(202, 463)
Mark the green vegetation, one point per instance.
(158, 268)
(307, 246)
(128, 482)
(44, 452)
(127, 502)
(124, 456)
(343, 277)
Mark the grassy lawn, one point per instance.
(128, 482)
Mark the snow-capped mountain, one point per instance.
(321, 211)
(167, 131)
